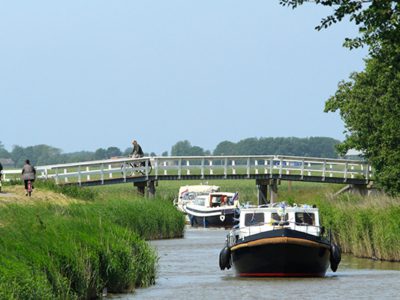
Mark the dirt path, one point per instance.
(16, 194)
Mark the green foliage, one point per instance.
(72, 191)
(185, 148)
(73, 252)
(369, 106)
(151, 219)
(369, 102)
(365, 228)
(312, 146)
(377, 21)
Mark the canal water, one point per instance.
(188, 269)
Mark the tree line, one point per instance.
(312, 146)
(48, 155)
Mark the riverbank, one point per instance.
(366, 227)
(56, 247)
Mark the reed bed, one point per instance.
(364, 226)
(75, 251)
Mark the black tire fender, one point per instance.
(225, 258)
(335, 256)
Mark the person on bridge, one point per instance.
(137, 150)
(28, 174)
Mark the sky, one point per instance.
(82, 75)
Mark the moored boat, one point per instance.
(279, 240)
(188, 193)
(216, 209)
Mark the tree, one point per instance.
(3, 152)
(100, 154)
(18, 156)
(369, 102)
(185, 148)
(113, 151)
(377, 20)
(225, 148)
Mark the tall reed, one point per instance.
(364, 226)
(72, 252)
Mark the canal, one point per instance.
(188, 269)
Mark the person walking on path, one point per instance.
(28, 174)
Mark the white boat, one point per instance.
(279, 240)
(188, 193)
(216, 209)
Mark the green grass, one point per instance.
(364, 226)
(72, 191)
(50, 251)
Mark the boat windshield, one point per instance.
(305, 218)
(254, 219)
(189, 196)
(199, 201)
(276, 219)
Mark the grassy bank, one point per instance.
(364, 226)
(75, 250)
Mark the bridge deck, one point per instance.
(142, 178)
(122, 170)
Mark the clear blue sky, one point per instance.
(82, 75)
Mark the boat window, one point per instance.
(215, 201)
(189, 196)
(254, 219)
(199, 201)
(305, 218)
(276, 218)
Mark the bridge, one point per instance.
(266, 170)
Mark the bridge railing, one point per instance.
(87, 171)
(254, 165)
(180, 166)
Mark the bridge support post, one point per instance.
(151, 188)
(141, 187)
(262, 185)
(273, 186)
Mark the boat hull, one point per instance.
(221, 218)
(282, 254)
(211, 221)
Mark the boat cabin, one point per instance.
(260, 219)
(217, 199)
(189, 192)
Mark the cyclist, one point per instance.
(137, 150)
(28, 174)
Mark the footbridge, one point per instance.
(266, 170)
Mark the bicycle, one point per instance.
(131, 166)
(30, 188)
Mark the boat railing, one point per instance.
(261, 226)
